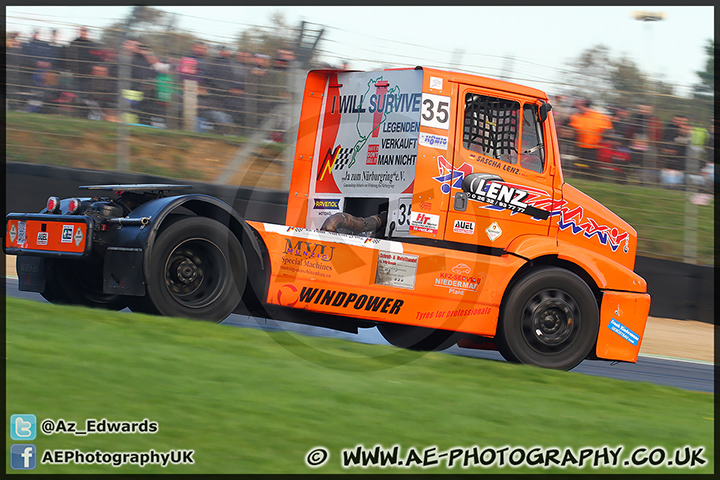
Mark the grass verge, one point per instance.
(249, 401)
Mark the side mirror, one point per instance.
(543, 111)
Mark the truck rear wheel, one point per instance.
(417, 338)
(197, 270)
(78, 282)
(549, 319)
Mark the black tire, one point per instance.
(549, 319)
(417, 338)
(53, 292)
(79, 282)
(197, 270)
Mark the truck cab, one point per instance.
(463, 173)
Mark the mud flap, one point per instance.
(31, 273)
(122, 271)
(623, 317)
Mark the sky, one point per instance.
(529, 45)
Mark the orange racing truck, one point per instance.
(426, 203)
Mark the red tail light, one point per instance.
(53, 205)
(73, 206)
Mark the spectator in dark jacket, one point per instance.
(81, 55)
(220, 79)
(37, 60)
(242, 65)
(13, 72)
(644, 133)
(103, 95)
(219, 82)
(673, 151)
(37, 56)
(142, 80)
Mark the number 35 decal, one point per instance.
(435, 111)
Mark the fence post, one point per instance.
(123, 145)
(190, 91)
(691, 209)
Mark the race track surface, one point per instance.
(686, 374)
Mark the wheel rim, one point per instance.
(194, 272)
(550, 321)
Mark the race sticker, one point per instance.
(372, 155)
(402, 213)
(490, 189)
(42, 238)
(436, 82)
(334, 237)
(13, 233)
(435, 111)
(424, 222)
(433, 141)
(21, 232)
(462, 226)
(493, 231)
(396, 270)
(67, 234)
(459, 280)
(78, 237)
(326, 204)
(623, 331)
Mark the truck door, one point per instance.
(507, 183)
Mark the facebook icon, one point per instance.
(22, 457)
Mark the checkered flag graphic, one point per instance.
(343, 158)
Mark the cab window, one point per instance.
(532, 153)
(491, 126)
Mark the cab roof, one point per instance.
(471, 79)
(493, 83)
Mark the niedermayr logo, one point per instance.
(326, 204)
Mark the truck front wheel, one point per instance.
(417, 338)
(197, 270)
(550, 319)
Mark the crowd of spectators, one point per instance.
(236, 90)
(623, 143)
